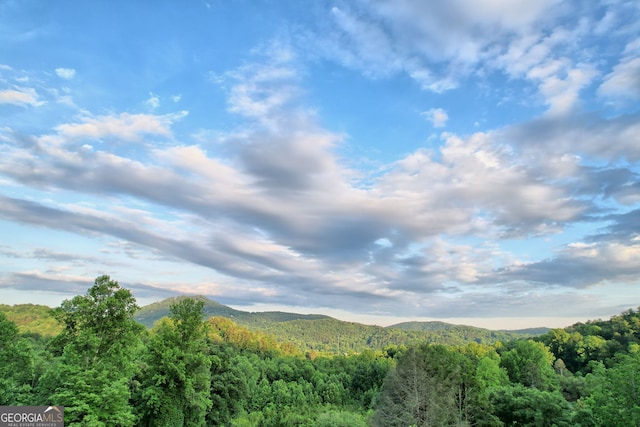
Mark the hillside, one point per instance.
(308, 332)
(595, 365)
(151, 313)
(32, 319)
(312, 332)
(339, 337)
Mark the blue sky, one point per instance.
(378, 161)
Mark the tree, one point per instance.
(614, 397)
(176, 383)
(530, 364)
(368, 376)
(16, 365)
(422, 390)
(228, 385)
(96, 362)
(486, 375)
(564, 346)
(340, 419)
(518, 405)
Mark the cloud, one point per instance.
(501, 301)
(588, 135)
(279, 207)
(47, 254)
(369, 49)
(277, 215)
(580, 265)
(66, 73)
(456, 31)
(562, 93)
(619, 184)
(153, 102)
(435, 44)
(622, 228)
(69, 286)
(437, 116)
(37, 281)
(261, 91)
(480, 185)
(250, 262)
(547, 47)
(624, 80)
(20, 96)
(125, 126)
(301, 225)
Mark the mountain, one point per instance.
(32, 319)
(314, 332)
(423, 326)
(308, 332)
(435, 326)
(151, 313)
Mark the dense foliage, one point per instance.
(191, 370)
(32, 319)
(318, 333)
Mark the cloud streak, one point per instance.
(251, 193)
(303, 224)
(20, 97)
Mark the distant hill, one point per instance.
(313, 332)
(151, 313)
(423, 326)
(435, 326)
(528, 331)
(308, 332)
(32, 319)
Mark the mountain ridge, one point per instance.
(151, 313)
(317, 332)
(217, 309)
(308, 332)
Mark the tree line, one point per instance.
(107, 369)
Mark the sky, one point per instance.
(376, 161)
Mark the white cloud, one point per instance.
(128, 127)
(153, 102)
(20, 96)
(581, 265)
(370, 49)
(386, 37)
(599, 139)
(66, 73)
(254, 93)
(282, 215)
(624, 80)
(456, 30)
(437, 116)
(546, 45)
(271, 206)
(478, 186)
(562, 93)
(261, 91)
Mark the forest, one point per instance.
(106, 368)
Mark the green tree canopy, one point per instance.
(519, 405)
(16, 365)
(423, 389)
(614, 397)
(530, 364)
(176, 383)
(97, 353)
